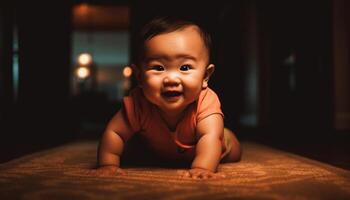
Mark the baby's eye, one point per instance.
(157, 68)
(185, 67)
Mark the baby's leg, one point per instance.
(234, 154)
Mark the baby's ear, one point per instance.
(208, 72)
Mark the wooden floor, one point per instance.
(263, 173)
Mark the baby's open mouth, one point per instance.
(171, 93)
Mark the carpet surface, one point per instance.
(263, 173)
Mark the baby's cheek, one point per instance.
(151, 82)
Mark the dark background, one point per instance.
(301, 117)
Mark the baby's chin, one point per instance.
(174, 107)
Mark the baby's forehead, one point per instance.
(189, 35)
(185, 29)
(192, 29)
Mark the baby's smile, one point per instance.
(171, 95)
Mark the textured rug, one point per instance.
(263, 173)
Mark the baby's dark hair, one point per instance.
(168, 24)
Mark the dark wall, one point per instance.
(40, 115)
(298, 92)
(44, 60)
(6, 86)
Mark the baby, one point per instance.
(172, 108)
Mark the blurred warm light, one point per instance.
(83, 72)
(84, 59)
(127, 71)
(82, 9)
(89, 17)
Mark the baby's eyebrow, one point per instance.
(166, 57)
(185, 56)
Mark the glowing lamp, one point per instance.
(127, 71)
(82, 72)
(85, 59)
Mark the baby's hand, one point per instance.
(198, 173)
(109, 170)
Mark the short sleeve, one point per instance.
(208, 104)
(132, 105)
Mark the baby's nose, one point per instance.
(171, 79)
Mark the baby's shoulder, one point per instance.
(208, 97)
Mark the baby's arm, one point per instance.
(210, 132)
(111, 144)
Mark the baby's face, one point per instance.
(174, 69)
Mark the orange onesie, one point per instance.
(145, 119)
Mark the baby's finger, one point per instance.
(219, 175)
(202, 174)
(195, 176)
(205, 176)
(185, 174)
